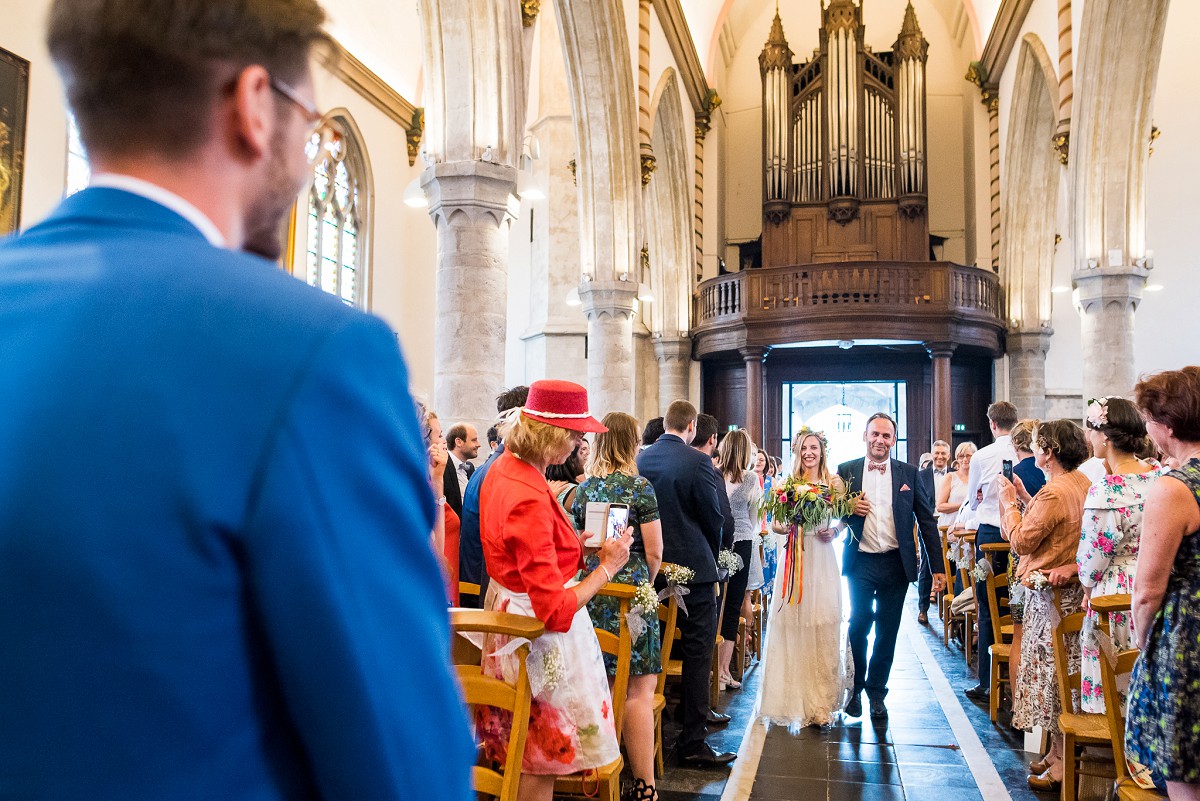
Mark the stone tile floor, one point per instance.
(913, 756)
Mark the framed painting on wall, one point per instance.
(14, 95)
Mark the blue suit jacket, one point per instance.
(910, 506)
(215, 572)
(688, 491)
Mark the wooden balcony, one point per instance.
(905, 301)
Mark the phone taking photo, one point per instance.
(618, 520)
(1006, 469)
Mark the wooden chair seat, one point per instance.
(1128, 791)
(1085, 727)
(603, 783)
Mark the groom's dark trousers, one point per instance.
(877, 588)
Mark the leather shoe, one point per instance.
(923, 618)
(853, 707)
(705, 757)
(977, 693)
(1045, 783)
(878, 710)
(1039, 767)
(716, 718)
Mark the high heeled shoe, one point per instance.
(728, 682)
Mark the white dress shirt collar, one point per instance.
(163, 197)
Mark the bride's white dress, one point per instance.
(807, 671)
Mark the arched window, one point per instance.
(336, 243)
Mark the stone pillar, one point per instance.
(1066, 81)
(674, 369)
(943, 415)
(1027, 371)
(991, 97)
(1106, 298)
(609, 309)
(471, 203)
(754, 380)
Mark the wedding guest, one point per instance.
(654, 429)
(585, 453)
(1163, 723)
(470, 555)
(533, 555)
(445, 537)
(611, 476)
(1046, 535)
(564, 478)
(986, 466)
(953, 491)
(734, 457)
(1112, 530)
(1033, 479)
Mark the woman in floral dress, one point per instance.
(1163, 725)
(612, 477)
(1112, 530)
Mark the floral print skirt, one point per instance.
(570, 718)
(1037, 701)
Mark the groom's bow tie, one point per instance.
(880, 466)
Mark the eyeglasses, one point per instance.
(323, 136)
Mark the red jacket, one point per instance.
(528, 544)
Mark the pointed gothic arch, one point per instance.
(668, 214)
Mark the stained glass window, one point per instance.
(335, 262)
(79, 171)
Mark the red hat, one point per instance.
(562, 404)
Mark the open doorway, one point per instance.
(840, 409)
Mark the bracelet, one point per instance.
(605, 569)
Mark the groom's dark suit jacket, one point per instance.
(911, 502)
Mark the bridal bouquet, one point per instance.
(807, 504)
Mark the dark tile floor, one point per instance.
(913, 756)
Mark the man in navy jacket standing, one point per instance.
(216, 579)
(687, 489)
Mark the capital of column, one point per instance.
(1033, 342)
(754, 355)
(480, 190)
(612, 299)
(1099, 287)
(673, 349)
(940, 349)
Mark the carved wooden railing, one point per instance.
(890, 292)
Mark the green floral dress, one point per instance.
(1162, 730)
(635, 492)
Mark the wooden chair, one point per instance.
(969, 616)
(481, 690)
(1079, 728)
(1002, 630)
(668, 615)
(604, 783)
(714, 684)
(1126, 789)
(757, 602)
(948, 593)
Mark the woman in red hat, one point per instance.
(533, 556)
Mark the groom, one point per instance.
(880, 560)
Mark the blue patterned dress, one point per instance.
(638, 495)
(1163, 725)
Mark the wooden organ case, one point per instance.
(844, 145)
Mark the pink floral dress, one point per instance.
(1107, 559)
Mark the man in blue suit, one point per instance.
(216, 580)
(880, 558)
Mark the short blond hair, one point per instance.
(965, 448)
(532, 441)
(615, 450)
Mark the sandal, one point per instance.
(728, 681)
(640, 791)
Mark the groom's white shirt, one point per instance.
(879, 527)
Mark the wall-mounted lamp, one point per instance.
(1154, 288)
(528, 187)
(644, 294)
(489, 154)
(1093, 264)
(414, 195)
(573, 298)
(1058, 290)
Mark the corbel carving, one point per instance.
(529, 12)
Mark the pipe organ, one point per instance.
(844, 145)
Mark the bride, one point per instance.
(806, 672)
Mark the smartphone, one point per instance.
(1006, 469)
(618, 519)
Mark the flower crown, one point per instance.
(1097, 412)
(805, 431)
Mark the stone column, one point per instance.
(943, 414)
(1027, 371)
(471, 203)
(609, 309)
(1106, 298)
(991, 98)
(1066, 82)
(754, 379)
(674, 369)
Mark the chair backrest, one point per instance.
(1110, 676)
(620, 646)
(1001, 614)
(946, 565)
(1105, 605)
(1068, 682)
(668, 615)
(481, 690)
